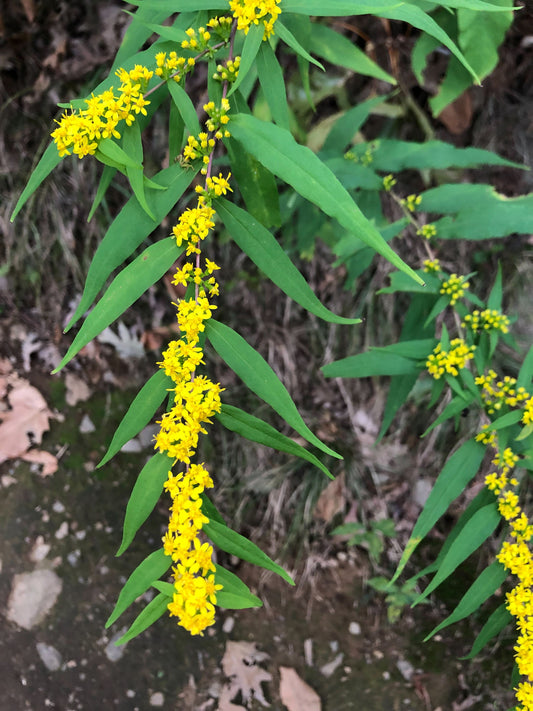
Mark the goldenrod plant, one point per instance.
(227, 170)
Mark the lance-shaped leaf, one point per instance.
(108, 174)
(44, 167)
(453, 408)
(140, 412)
(150, 570)
(137, 33)
(185, 107)
(475, 532)
(498, 620)
(252, 43)
(256, 430)
(287, 36)
(144, 497)
(256, 373)
(265, 251)
(171, 6)
(273, 84)
(128, 230)
(126, 288)
(397, 359)
(481, 589)
(347, 125)
(235, 595)
(458, 471)
(298, 166)
(233, 543)
(526, 371)
(155, 609)
(339, 50)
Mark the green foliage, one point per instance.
(450, 335)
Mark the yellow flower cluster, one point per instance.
(389, 181)
(431, 266)
(193, 226)
(427, 231)
(202, 146)
(441, 361)
(454, 287)
(527, 418)
(486, 320)
(496, 393)
(173, 66)
(516, 557)
(487, 436)
(197, 40)
(229, 72)
(411, 202)
(80, 132)
(251, 12)
(195, 400)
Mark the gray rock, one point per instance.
(112, 652)
(50, 657)
(32, 597)
(157, 699)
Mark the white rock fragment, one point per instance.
(58, 507)
(405, 668)
(39, 550)
(62, 531)
(421, 491)
(112, 652)
(354, 628)
(308, 652)
(32, 597)
(328, 669)
(157, 699)
(50, 657)
(228, 625)
(87, 425)
(7, 480)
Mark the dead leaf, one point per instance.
(332, 499)
(38, 456)
(24, 422)
(295, 693)
(239, 663)
(224, 700)
(77, 390)
(29, 9)
(457, 116)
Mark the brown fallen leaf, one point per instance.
(77, 390)
(331, 500)
(240, 665)
(39, 456)
(295, 693)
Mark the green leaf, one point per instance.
(144, 496)
(347, 125)
(479, 212)
(265, 251)
(332, 8)
(339, 50)
(418, 18)
(453, 408)
(131, 226)
(298, 166)
(151, 569)
(140, 412)
(273, 84)
(458, 471)
(401, 282)
(255, 430)
(287, 36)
(252, 43)
(372, 363)
(108, 174)
(499, 619)
(507, 420)
(255, 372)
(235, 594)
(233, 543)
(126, 288)
(391, 156)
(155, 609)
(526, 372)
(475, 532)
(481, 589)
(137, 32)
(257, 185)
(495, 297)
(108, 148)
(49, 160)
(185, 107)
(176, 126)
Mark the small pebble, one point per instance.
(58, 507)
(157, 699)
(354, 628)
(50, 657)
(229, 624)
(62, 531)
